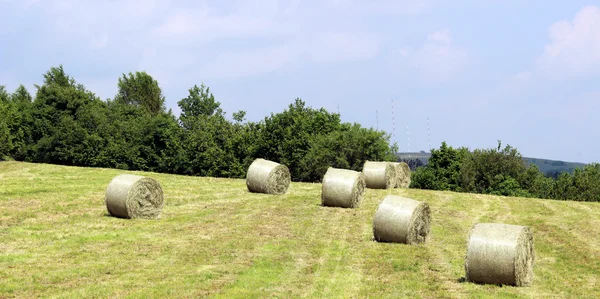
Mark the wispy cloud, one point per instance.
(574, 47)
(439, 59)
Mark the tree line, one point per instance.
(65, 123)
(502, 171)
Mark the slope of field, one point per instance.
(216, 239)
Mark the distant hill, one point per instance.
(549, 167)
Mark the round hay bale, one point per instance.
(342, 188)
(134, 196)
(405, 175)
(379, 175)
(399, 174)
(268, 177)
(401, 220)
(500, 254)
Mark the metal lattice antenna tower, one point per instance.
(393, 123)
(377, 119)
(428, 135)
(338, 109)
(408, 137)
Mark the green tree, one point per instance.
(543, 187)
(210, 141)
(22, 124)
(286, 136)
(4, 96)
(6, 138)
(6, 111)
(586, 183)
(348, 147)
(564, 186)
(200, 101)
(443, 172)
(141, 90)
(493, 170)
(57, 134)
(21, 95)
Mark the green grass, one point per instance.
(218, 240)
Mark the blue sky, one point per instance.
(524, 72)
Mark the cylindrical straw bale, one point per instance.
(268, 177)
(405, 170)
(342, 188)
(379, 175)
(401, 220)
(399, 174)
(134, 196)
(500, 254)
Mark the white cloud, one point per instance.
(439, 59)
(575, 45)
(216, 39)
(289, 33)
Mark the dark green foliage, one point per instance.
(424, 178)
(286, 137)
(502, 171)
(20, 122)
(549, 168)
(8, 114)
(585, 183)
(492, 170)
(200, 101)
(443, 171)
(308, 141)
(58, 132)
(348, 148)
(67, 124)
(210, 138)
(141, 90)
(4, 96)
(21, 96)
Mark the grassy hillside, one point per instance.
(216, 239)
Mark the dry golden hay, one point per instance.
(268, 177)
(500, 254)
(134, 196)
(399, 174)
(405, 175)
(342, 188)
(402, 220)
(379, 175)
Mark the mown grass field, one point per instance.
(218, 240)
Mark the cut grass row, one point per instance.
(216, 239)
